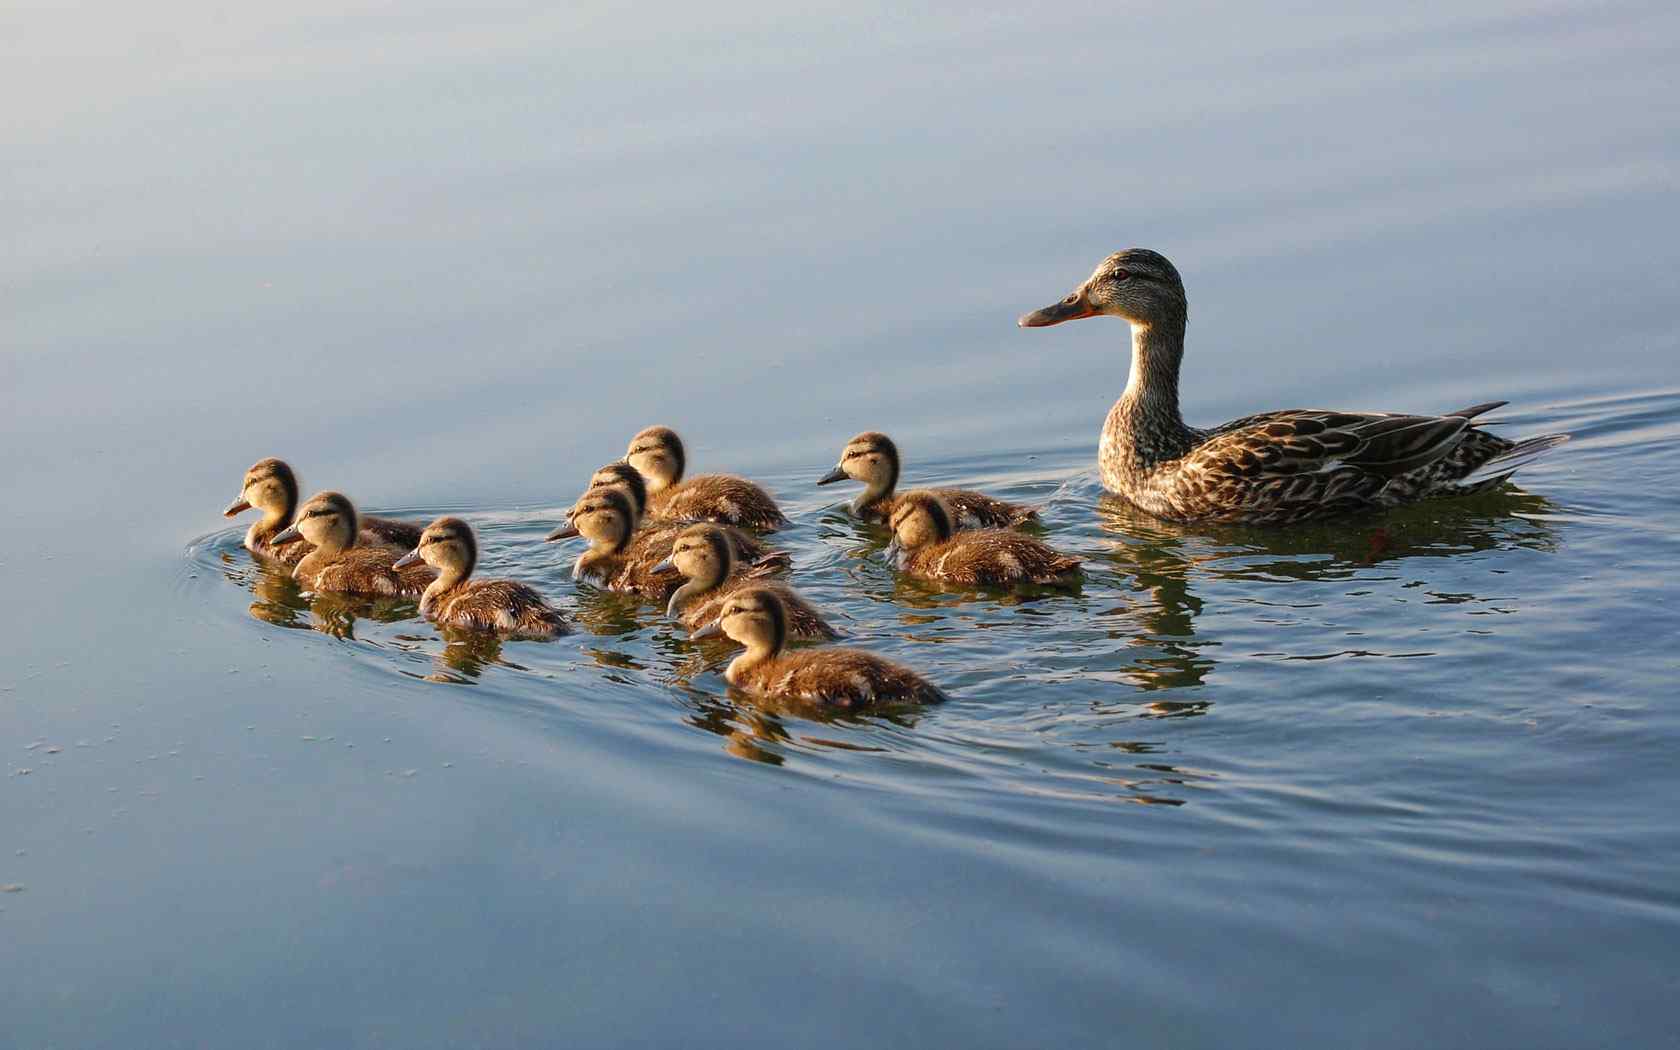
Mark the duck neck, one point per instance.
(758, 652)
(448, 578)
(275, 517)
(695, 586)
(878, 488)
(1145, 424)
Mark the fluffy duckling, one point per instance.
(620, 556)
(704, 554)
(622, 475)
(872, 458)
(272, 487)
(928, 546)
(842, 678)
(658, 454)
(338, 562)
(506, 607)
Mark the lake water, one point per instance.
(1406, 780)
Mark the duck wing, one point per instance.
(1300, 442)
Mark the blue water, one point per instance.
(1401, 780)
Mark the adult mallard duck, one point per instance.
(872, 458)
(1275, 467)
(272, 487)
(339, 563)
(925, 544)
(705, 556)
(658, 454)
(506, 607)
(848, 679)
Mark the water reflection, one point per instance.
(280, 601)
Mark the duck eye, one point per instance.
(1121, 275)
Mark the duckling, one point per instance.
(842, 678)
(625, 476)
(338, 562)
(620, 557)
(272, 487)
(658, 454)
(704, 554)
(507, 607)
(929, 547)
(872, 458)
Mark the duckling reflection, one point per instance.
(872, 458)
(657, 452)
(271, 486)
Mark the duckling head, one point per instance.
(447, 545)
(871, 458)
(920, 519)
(1136, 284)
(605, 517)
(756, 618)
(704, 555)
(328, 521)
(621, 474)
(657, 453)
(271, 487)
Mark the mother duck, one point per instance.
(1276, 467)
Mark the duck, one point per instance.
(829, 676)
(927, 545)
(705, 557)
(271, 486)
(624, 557)
(657, 453)
(339, 563)
(872, 458)
(1273, 468)
(504, 607)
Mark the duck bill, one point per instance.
(237, 507)
(289, 534)
(1072, 308)
(411, 558)
(832, 476)
(711, 630)
(564, 532)
(665, 566)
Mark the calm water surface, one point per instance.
(1395, 781)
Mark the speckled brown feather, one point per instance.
(631, 570)
(362, 570)
(989, 557)
(845, 679)
(504, 607)
(723, 498)
(969, 509)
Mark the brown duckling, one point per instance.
(842, 678)
(339, 562)
(927, 545)
(704, 555)
(506, 607)
(872, 458)
(272, 487)
(658, 454)
(620, 557)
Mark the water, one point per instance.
(1403, 780)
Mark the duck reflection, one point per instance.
(279, 600)
(1161, 559)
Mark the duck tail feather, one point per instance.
(1517, 456)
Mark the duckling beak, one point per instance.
(837, 474)
(237, 507)
(665, 566)
(711, 630)
(893, 551)
(1072, 308)
(290, 534)
(564, 532)
(406, 560)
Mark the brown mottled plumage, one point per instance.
(848, 679)
(706, 558)
(1276, 467)
(272, 487)
(929, 547)
(658, 454)
(872, 458)
(621, 475)
(506, 607)
(338, 562)
(624, 558)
